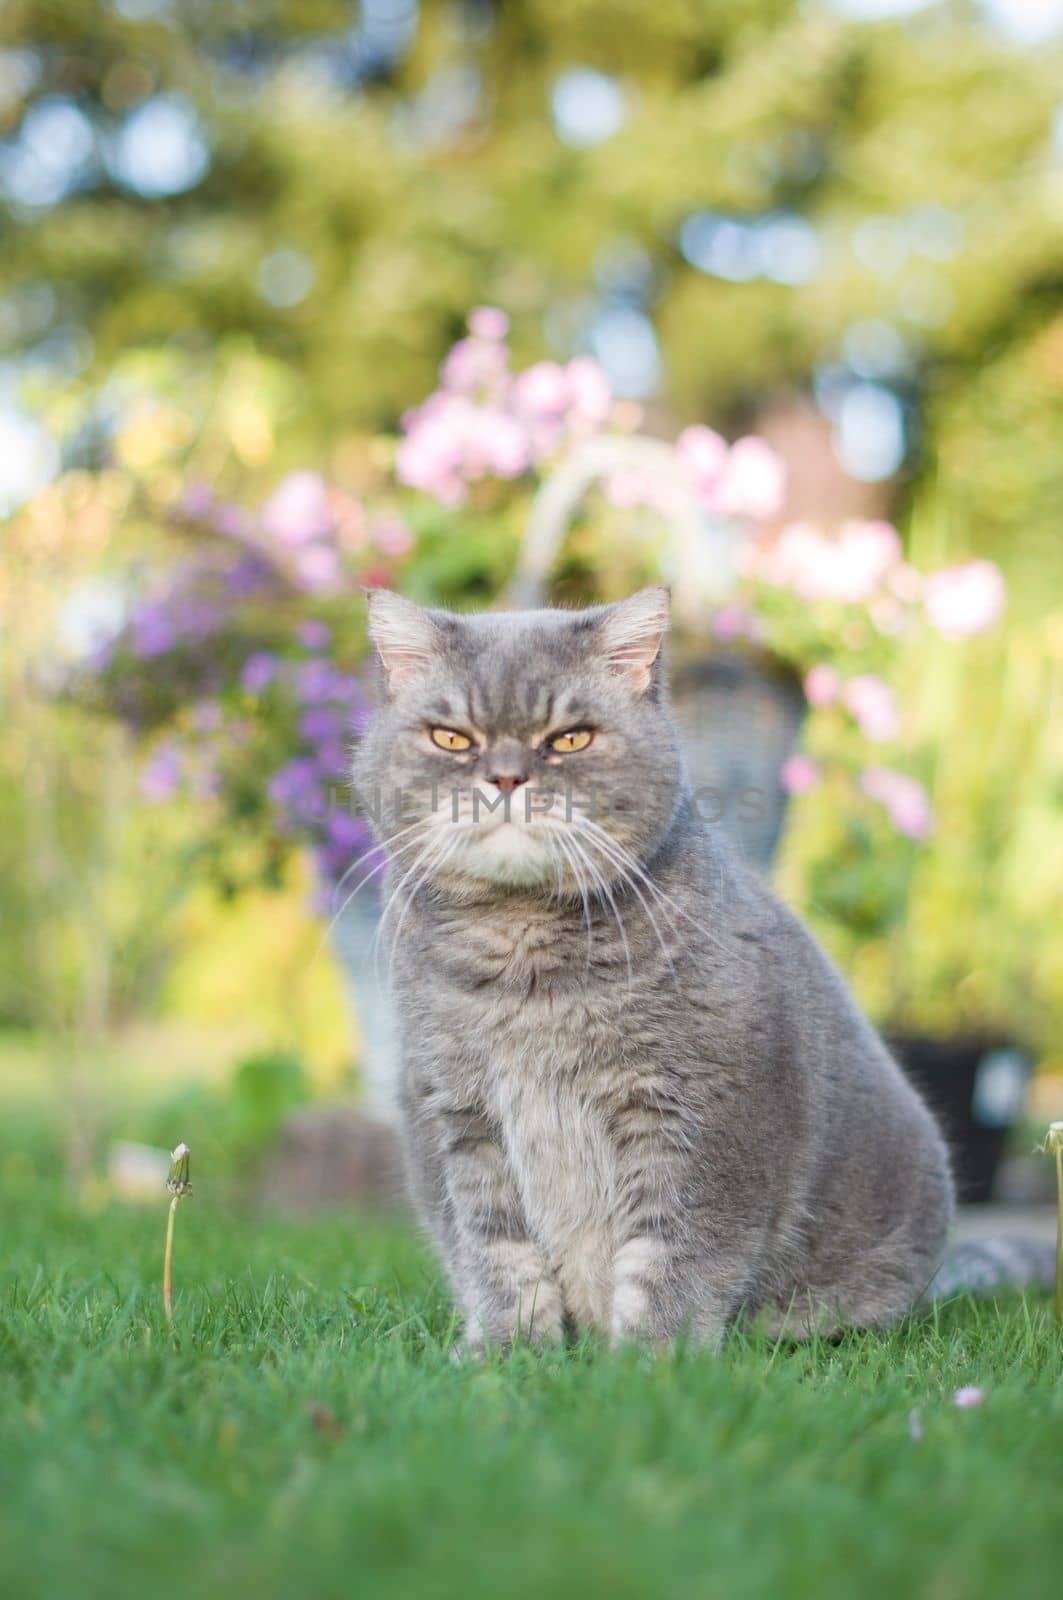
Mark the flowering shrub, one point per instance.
(486, 422)
(242, 656)
(841, 609)
(239, 662)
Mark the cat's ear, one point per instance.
(405, 636)
(631, 634)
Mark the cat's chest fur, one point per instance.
(550, 1066)
(551, 1102)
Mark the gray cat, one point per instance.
(637, 1097)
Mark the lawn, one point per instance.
(304, 1431)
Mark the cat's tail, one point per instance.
(986, 1266)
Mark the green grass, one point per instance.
(304, 1432)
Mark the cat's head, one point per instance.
(530, 749)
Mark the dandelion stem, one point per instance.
(178, 1185)
(1053, 1141)
(1059, 1230)
(167, 1265)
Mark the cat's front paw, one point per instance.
(535, 1317)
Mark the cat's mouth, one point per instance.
(508, 844)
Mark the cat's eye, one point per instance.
(574, 739)
(450, 739)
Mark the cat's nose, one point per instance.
(507, 781)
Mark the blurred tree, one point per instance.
(720, 201)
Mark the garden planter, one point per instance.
(362, 960)
(740, 720)
(976, 1089)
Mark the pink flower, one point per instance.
(298, 510)
(969, 1395)
(590, 398)
(317, 567)
(542, 388)
(736, 622)
(487, 322)
(502, 442)
(473, 365)
(963, 600)
(704, 453)
(822, 685)
(799, 774)
(849, 568)
(754, 481)
(864, 555)
(904, 798)
(431, 454)
(872, 704)
(392, 537)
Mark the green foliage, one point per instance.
(230, 1127)
(921, 153)
(406, 221)
(304, 1430)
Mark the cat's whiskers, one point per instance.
(605, 844)
(373, 849)
(429, 847)
(666, 902)
(605, 892)
(440, 850)
(573, 859)
(388, 853)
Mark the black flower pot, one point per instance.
(976, 1089)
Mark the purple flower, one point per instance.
(160, 778)
(197, 618)
(315, 681)
(152, 631)
(347, 839)
(259, 671)
(196, 502)
(294, 789)
(247, 575)
(321, 723)
(313, 634)
(331, 758)
(206, 716)
(231, 521)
